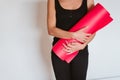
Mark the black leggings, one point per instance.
(75, 70)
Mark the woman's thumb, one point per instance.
(84, 28)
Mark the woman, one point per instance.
(62, 15)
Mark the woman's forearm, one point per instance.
(57, 32)
(51, 22)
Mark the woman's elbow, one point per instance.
(50, 32)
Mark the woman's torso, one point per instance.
(66, 18)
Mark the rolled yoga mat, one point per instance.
(97, 18)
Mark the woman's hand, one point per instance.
(81, 36)
(73, 46)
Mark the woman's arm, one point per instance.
(51, 23)
(57, 32)
(90, 4)
(75, 46)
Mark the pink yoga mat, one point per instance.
(97, 18)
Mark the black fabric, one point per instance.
(77, 68)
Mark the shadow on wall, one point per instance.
(45, 39)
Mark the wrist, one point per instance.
(73, 35)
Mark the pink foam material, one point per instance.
(97, 18)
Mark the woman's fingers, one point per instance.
(85, 38)
(84, 28)
(68, 47)
(88, 35)
(71, 47)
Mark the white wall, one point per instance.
(25, 45)
(105, 48)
